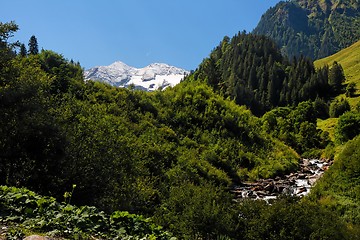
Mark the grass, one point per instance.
(349, 58)
(328, 125)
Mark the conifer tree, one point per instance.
(336, 77)
(33, 46)
(23, 51)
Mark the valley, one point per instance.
(234, 149)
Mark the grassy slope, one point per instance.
(328, 125)
(349, 58)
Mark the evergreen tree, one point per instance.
(23, 51)
(337, 108)
(350, 89)
(251, 70)
(336, 77)
(33, 46)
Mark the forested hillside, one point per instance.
(312, 28)
(251, 70)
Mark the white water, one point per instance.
(297, 184)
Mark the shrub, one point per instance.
(348, 127)
(337, 108)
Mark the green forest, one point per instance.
(160, 165)
(312, 28)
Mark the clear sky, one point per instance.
(137, 32)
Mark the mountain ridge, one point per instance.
(315, 29)
(151, 77)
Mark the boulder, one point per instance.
(269, 187)
(37, 237)
(301, 190)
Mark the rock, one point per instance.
(244, 194)
(252, 195)
(312, 180)
(302, 176)
(257, 188)
(305, 162)
(269, 187)
(306, 170)
(301, 190)
(325, 167)
(281, 188)
(36, 237)
(261, 194)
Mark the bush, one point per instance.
(347, 127)
(339, 188)
(350, 89)
(337, 108)
(287, 218)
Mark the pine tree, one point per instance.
(23, 51)
(336, 77)
(33, 46)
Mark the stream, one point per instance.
(295, 184)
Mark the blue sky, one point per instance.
(137, 32)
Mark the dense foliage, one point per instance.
(339, 189)
(296, 127)
(251, 70)
(348, 126)
(23, 212)
(315, 29)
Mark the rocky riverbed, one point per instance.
(296, 184)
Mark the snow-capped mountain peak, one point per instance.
(119, 65)
(151, 77)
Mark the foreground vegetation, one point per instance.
(339, 189)
(23, 212)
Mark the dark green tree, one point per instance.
(33, 46)
(347, 127)
(321, 108)
(339, 107)
(336, 77)
(350, 89)
(23, 51)
(7, 31)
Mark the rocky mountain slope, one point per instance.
(149, 78)
(312, 28)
